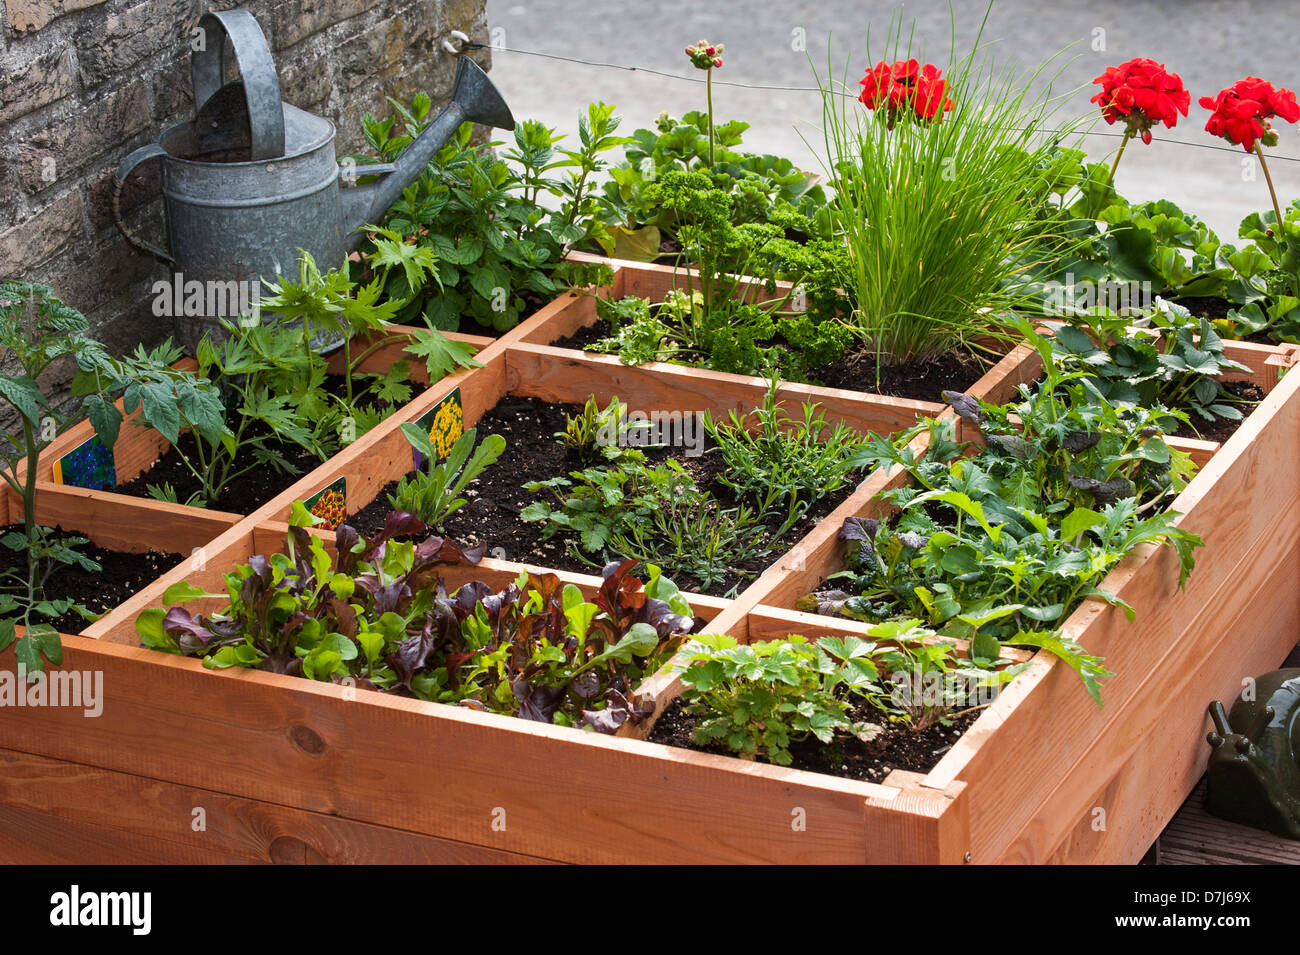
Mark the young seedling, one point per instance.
(432, 494)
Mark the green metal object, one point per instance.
(1254, 771)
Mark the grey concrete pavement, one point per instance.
(1210, 44)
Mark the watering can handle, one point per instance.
(141, 155)
(261, 84)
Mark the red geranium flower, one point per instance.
(903, 84)
(1141, 93)
(1240, 113)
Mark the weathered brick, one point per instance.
(64, 144)
(295, 20)
(8, 198)
(109, 43)
(42, 236)
(173, 96)
(28, 16)
(142, 187)
(461, 15)
(133, 323)
(379, 51)
(33, 82)
(307, 83)
(115, 268)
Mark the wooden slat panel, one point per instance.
(1194, 837)
(60, 813)
(562, 375)
(448, 772)
(1256, 465)
(1155, 749)
(132, 524)
(1264, 362)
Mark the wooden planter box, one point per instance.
(138, 448)
(1051, 777)
(288, 770)
(654, 281)
(563, 376)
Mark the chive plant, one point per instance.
(943, 215)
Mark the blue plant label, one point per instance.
(89, 465)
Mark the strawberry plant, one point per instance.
(1004, 545)
(475, 223)
(757, 699)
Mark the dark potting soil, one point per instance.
(921, 379)
(1213, 308)
(532, 454)
(123, 574)
(584, 337)
(895, 747)
(924, 379)
(242, 494)
(1221, 429)
(1206, 306)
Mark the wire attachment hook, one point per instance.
(455, 42)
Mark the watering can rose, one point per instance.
(1240, 113)
(902, 84)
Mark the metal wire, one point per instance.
(813, 89)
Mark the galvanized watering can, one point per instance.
(251, 180)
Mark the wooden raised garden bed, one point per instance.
(566, 377)
(286, 769)
(137, 448)
(653, 281)
(1051, 777)
(290, 770)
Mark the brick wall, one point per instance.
(84, 82)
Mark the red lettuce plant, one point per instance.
(377, 615)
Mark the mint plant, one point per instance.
(476, 222)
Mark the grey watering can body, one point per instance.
(252, 180)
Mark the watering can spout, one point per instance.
(474, 98)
